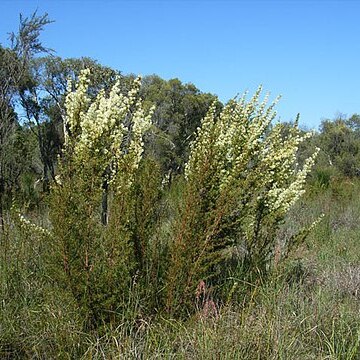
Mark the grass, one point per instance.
(309, 309)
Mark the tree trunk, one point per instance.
(46, 186)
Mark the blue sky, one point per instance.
(307, 51)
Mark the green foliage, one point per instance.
(15, 68)
(37, 316)
(340, 144)
(179, 109)
(309, 310)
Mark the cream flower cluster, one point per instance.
(110, 129)
(283, 197)
(231, 137)
(76, 103)
(27, 224)
(240, 144)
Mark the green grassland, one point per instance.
(307, 309)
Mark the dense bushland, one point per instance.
(106, 207)
(165, 223)
(308, 308)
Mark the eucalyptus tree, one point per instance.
(179, 109)
(339, 140)
(15, 62)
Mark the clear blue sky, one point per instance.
(308, 51)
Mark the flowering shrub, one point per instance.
(242, 177)
(110, 129)
(97, 176)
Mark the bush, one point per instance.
(241, 179)
(111, 246)
(95, 204)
